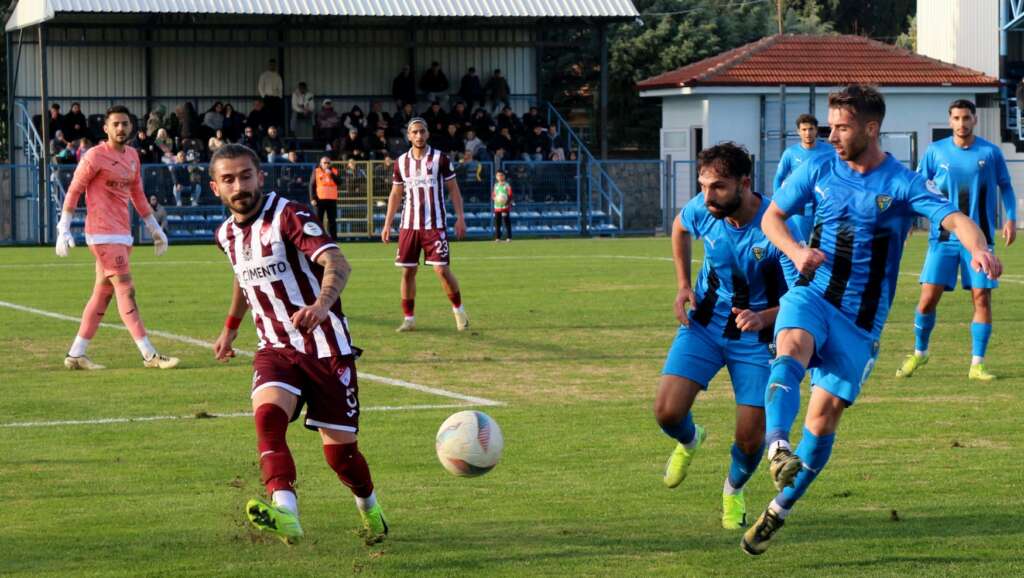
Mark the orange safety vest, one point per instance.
(326, 188)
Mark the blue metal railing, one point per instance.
(31, 142)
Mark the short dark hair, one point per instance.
(117, 109)
(963, 103)
(806, 119)
(727, 158)
(863, 100)
(233, 151)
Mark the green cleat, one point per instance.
(275, 520)
(979, 373)
(910, 365)
(784, 466)
(375, 526)
(757, 539)
(679, 462)
(734, 511)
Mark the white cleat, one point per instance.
(161, 362)
(82, 362)
(461, 320)
(407, 325)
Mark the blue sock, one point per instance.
(683, 432)
(814, 451)
(743, 465)
(923, 325)
(980, 332)
(782, 397)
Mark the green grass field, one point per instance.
(570, 336)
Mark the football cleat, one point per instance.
(161, 362)
(461, 320)
(679, 462)
(734, 511)
(407, 325)
(277, 521)
(784, 466)
(82, 362)
(375, 526)
(979, 373)
(757, 539)
(910, 365)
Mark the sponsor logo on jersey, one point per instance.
(933, 188)
(821, 191)
(312, 229)
(981, 164)
(883, 202)
(758, 252)
(944, 166)
(271, 271)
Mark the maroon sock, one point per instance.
(348, 462)
(408, 306)
(276, 462)
(456, 299)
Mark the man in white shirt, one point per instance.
(271, 89)
(302, 112)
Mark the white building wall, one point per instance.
(963, 32)
(680, 117)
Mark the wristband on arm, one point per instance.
(233, 323)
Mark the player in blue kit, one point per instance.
(808, 148)
(968, 170)
(729, 324)
(831, 320)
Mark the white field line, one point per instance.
(208, 345)
(115, 420)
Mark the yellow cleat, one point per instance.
(375, 526)
(979, 373)
(279, 521)
(734, 511)
(679, 462)
(161, 362)
(911, 364)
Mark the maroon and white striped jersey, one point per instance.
(424, 181)
(274, 257)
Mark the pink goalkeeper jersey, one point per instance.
(109, 180)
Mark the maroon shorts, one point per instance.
(433, 243)
(327, 385)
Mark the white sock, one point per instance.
(692, 443)
(145, 347)
(286, 500)
(779, 510)
(775, 447)
(367, 503)
(78, 347)
(459, 309)
(410, 318)
(920, 353)
(977, 359)
(729, 490)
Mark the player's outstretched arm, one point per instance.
(682, 258)
(393, 199)
(222, 349)
(805, 259)
(460, 218)
(971, 237)
(336, 273)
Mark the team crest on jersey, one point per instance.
(246, 252)
(312, 229)
(883, 202)
(758, 252)
(981, 164)
(932, 187)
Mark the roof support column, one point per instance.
(286, 95)
(11, 88)
(602, 102)
(44, 136)
(147, 76)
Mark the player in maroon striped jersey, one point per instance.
(291, 273)
(421, 176)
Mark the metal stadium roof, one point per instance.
(32, 12)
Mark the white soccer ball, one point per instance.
(469, 443)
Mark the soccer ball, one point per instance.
(469, 443)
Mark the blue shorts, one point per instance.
(945, 259)
(698, 353)
(844, 354)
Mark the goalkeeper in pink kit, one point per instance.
(110, 175)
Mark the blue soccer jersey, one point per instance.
(741, 269)
(796, 155)
(860, 223)
(968, 177)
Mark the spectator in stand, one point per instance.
(259, 118)
(474, 146)
(377, 115)
(450, 143)
(508, 119)
(538, 145)
(434, 84)
(323, 194)
(74, 123)
(250, 140)
(460, 116)
(84, 144)
(213, 120)
(148, 152)
(483, 125)
(397, 145)
(436, 118)
(188, 120)
(271, 89)
(302, 111)
(497, 91)
(501, 147)
(383, 173)
(234, 123)
(165, 144)
(216, 141)
(531, 119)
(196, 177)
(350, 146)
(293, 181)
(193, 148)
(180, 181)
(402, 118)
(58, 142)
(328, 124)
(403, 88)
(557, 150)
(171, 122)
(66, 156)
(273, 146)
(355, 120)
(354, 178)
(159, 212)
(377, 144)
(56, 121)
(155, 121)
(470, 89)
(501, 197)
